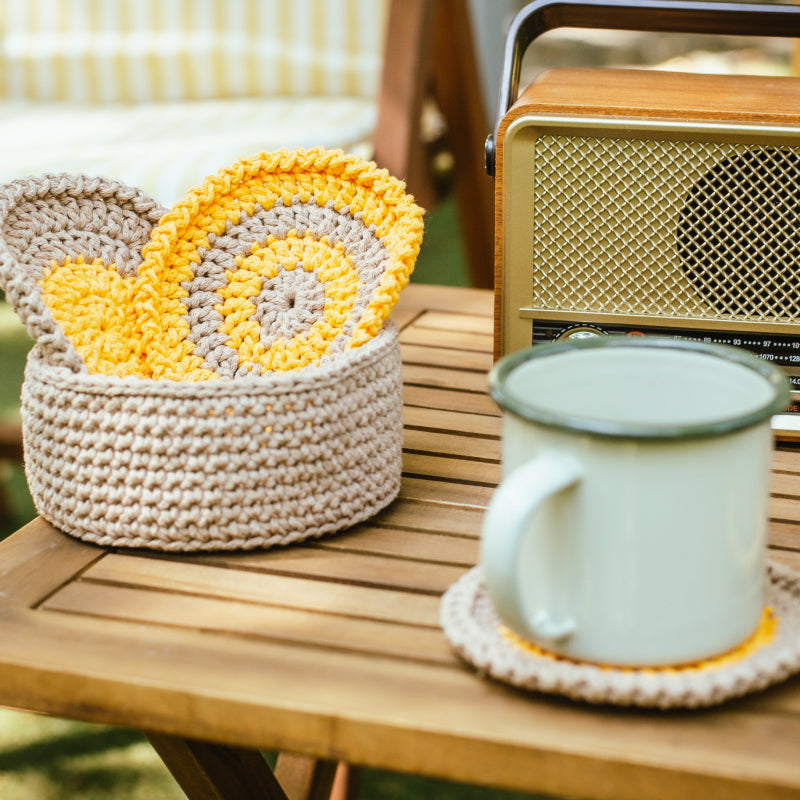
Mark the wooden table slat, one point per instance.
(276, 623)
(473, 360)
(784, 508)
(451, 468)
(454, 341)
(785, 535)
(458, 550)
(451, 421)
(446, 399)
(451, 321)
(786, 461)
(443, 378)
(37, 559)
(390, 604)
(452, 444)
(434, 517)
(405, 316)
(362, 569)
(450, 299)
(461, 495)
(783, 484)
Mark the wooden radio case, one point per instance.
(643, 202)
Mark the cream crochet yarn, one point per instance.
(475, 630)
(235, 465)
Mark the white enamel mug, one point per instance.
(630, 524)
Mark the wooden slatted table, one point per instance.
(333, 649)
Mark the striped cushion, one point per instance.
(162, 93)
(139, 50)
(167, 148)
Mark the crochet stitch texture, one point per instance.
(474, 629)
(219, 376)
(276, 263)
(219, 465)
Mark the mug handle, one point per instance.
(506, 523)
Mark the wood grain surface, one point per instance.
(333, 648)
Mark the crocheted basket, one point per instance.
(220, 376)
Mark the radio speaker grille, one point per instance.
(667, 228)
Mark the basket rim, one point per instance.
(383, 345)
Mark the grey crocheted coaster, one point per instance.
(476, 632)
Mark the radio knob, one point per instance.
(580, 332)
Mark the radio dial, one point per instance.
(580, 332)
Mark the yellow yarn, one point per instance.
(119, 325)
(762, 636)
(334, 271)
(139, 325)
(329, 176)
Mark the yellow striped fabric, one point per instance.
(166, 148)
(103, 51)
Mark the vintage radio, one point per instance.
(644, 202)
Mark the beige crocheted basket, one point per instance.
(266, 419)
(245, 464)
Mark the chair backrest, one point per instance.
(138, 50)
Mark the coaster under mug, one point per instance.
(478, 635)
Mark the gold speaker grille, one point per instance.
(666, 228)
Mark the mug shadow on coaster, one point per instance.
(630, 525)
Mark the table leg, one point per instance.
(217, 772)
(346, 783)
(306, 778)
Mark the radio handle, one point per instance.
(666, 16)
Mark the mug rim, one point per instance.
(774, 377)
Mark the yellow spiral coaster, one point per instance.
(276, 263)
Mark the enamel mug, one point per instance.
(630, 524)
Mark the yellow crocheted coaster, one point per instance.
(274, 264)
(762, 636)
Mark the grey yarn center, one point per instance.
(368, 252)
(288, 304)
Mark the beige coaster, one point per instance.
(771, 655)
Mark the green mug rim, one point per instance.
(775, 378)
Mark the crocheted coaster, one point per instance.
(276, 263)
(219, 376)
(476, 632)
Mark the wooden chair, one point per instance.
(430, 53)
